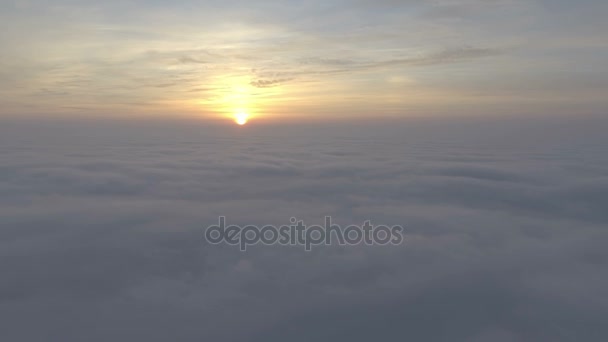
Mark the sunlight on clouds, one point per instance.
(215, 59)
(230, 95)
(398, 79)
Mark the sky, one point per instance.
(302, 60)
(477, 126)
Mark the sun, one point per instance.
(241, 118)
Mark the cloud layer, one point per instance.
(102, 231)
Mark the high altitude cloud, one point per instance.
(102, 231)
(269, 83)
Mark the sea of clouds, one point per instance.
(102, 230)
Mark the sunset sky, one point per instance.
(302, 60)
(129, 129)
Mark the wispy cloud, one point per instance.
(269, 83)
(91, 50)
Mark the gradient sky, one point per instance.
(303, 59)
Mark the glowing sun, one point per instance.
(241, 118)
